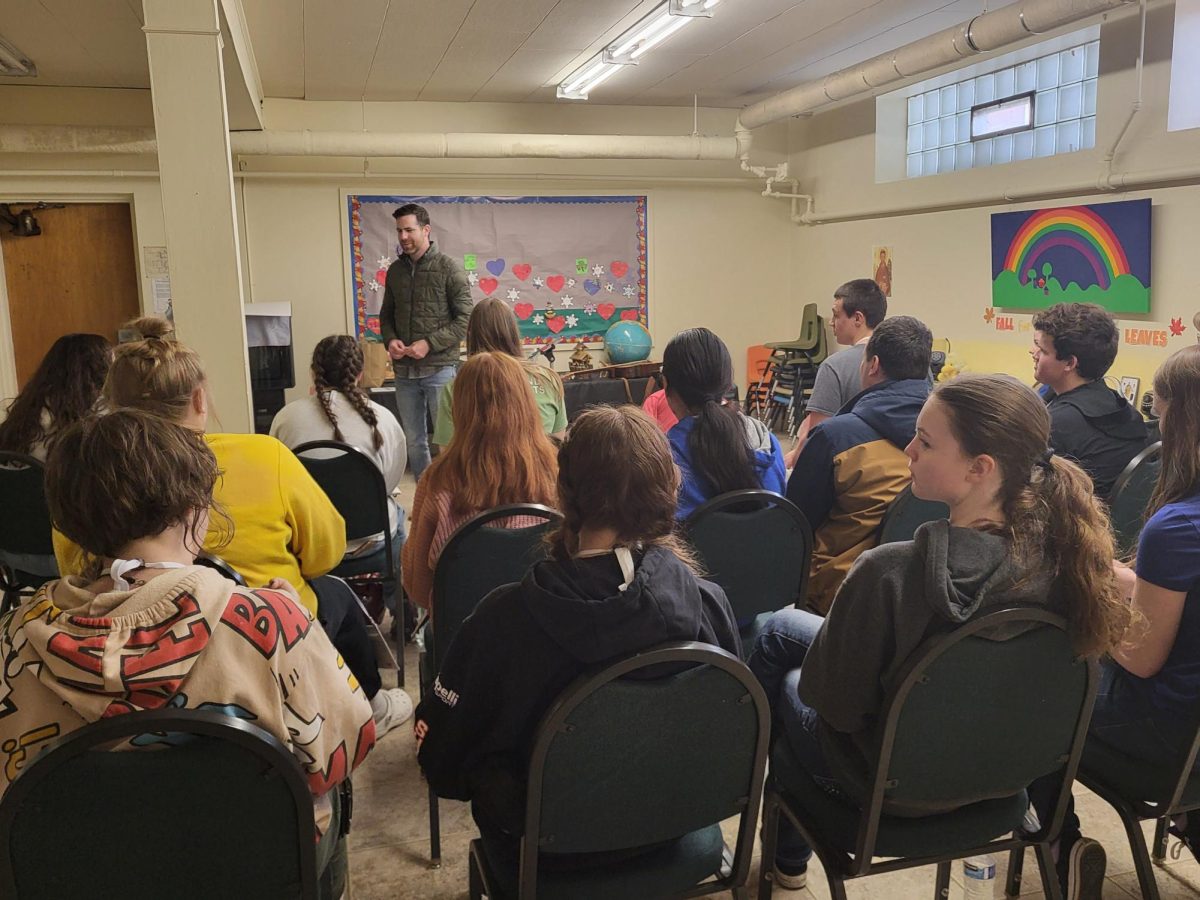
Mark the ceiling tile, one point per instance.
(277, 38)
(340, 41)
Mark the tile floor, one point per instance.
(389, 843)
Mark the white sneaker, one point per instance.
(793, 881)
(392, 707)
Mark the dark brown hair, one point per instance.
(66, 386)
(615, 470)
(1177, 381)
(499, 453)
(337, 362)
(865, 296)
(129, 474)
(1085, 331)
(1052, 517)
(156, 373)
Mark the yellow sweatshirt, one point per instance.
(283, 524)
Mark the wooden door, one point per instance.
(79, 274)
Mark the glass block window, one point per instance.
(1062, 86)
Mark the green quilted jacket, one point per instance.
(430, 300)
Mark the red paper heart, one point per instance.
(556, 324)
(381, 276)
(522, 270)
(629, 314)
(487, 285)
(618, 268)
(555, 283)
(605, 310)
(523, 310)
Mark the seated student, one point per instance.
(655, 404)
(1148, 705)
(284, 525)
(340, 410)
(1018, 515)
(62, 391)
(1073, 346)
(858, 307)
(618, 581)
(497, 456)
(134, 490)
(493, 328)
(853, 465)
(717, 448)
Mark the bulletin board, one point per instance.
(568, 266)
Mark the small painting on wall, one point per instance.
(1098, 253)
(881, 268)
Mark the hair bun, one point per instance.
(152, 328)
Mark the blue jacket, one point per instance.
(695, 488)
(850, 470)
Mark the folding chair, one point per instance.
(1131, 495)
(26, 549)
(908, 512)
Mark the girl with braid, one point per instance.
(340, 410)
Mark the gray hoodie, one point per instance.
(894, 598)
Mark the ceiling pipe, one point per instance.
(141, 141)
(985, 33)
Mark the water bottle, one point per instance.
(979, 877)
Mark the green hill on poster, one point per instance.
(1125, 295)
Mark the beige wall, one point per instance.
(943, 259)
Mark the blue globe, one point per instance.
(627, 342)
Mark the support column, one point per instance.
(183, 41)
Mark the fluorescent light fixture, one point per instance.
(14, 63)
(628, 49)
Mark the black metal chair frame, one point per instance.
(206, 723)
(555, 720)
(840, 865)
(12, 582)
(1134, 812)
(217, 564)
(724, 502)
(459, 536)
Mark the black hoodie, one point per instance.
(526, 642)
(1096, 427)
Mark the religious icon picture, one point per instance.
(881, 268)
(1129, 388)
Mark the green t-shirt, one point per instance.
(551, 407)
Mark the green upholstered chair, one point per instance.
(969, 725)
(478, 558)
(214, 807)
(24, 528)
(1131, 495)
(625, 762)
(757, 545)
(906, 514)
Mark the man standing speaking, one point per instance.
(426, 304)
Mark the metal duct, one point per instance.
(983, 34)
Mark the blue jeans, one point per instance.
(416, 398)
(778, 654)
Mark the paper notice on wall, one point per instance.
(161, 292)
(1183, 109)
(154, 261)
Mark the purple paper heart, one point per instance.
(495, 266)
(592, 286)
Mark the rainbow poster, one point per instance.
(1098, 253)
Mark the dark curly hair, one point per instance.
(1082, 330)
(337, 362)
(65, 386)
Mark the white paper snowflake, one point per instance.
(514, 294)
(567, 301)
(473, 278)
(385, 261)
(538, 282)
(570, 282)
(597, 271)
(589, 309)
(538, 319)
(630, 290)
(374, 286)
(572, 321)
(608, 286)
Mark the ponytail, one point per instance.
(336, 364)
